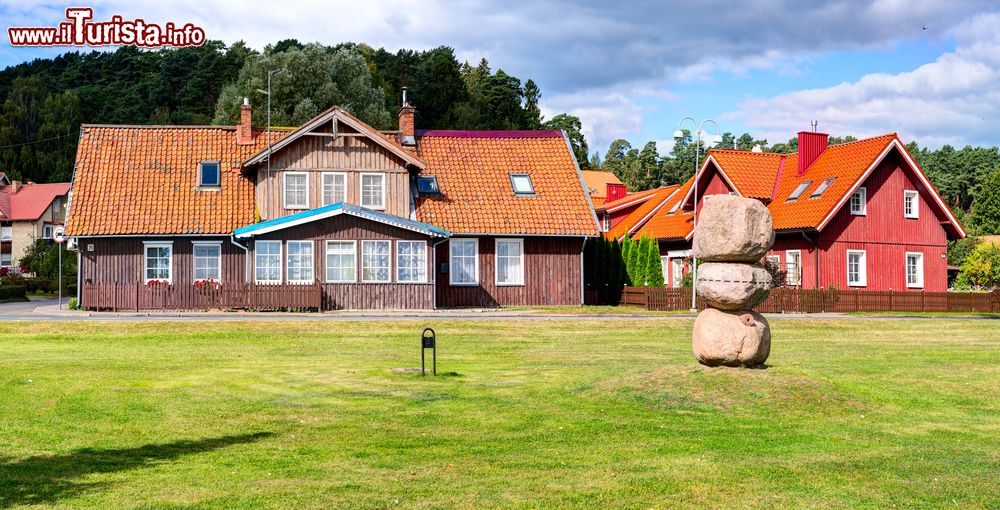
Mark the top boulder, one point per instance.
(733, 229)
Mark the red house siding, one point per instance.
(552, 275)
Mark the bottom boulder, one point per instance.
(731, 338)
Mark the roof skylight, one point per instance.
(522, 184)
(800, 190)
(822, 187)
(427, 185)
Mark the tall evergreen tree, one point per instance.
(986, 209)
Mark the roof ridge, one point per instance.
(178, 126)
(870, 138)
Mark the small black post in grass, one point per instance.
(428, 342)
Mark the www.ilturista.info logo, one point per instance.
(80, 31)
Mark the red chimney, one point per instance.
(407, 129)
(244, 132)
(614, 192)
(811, 145)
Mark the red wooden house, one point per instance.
(401, 219)
(859, 215)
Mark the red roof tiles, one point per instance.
(30, 201)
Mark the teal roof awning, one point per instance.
(334, 210)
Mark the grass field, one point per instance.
(526, 414)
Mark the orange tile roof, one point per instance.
(664, 225)
(656, 202)
(143, 180)
(637, 197)
(754, 171)
(472, 169)
(597, 184)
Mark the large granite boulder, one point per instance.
(733, 286)
(732, 229)
(731, 338)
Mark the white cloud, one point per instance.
(953, 100)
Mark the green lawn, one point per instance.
(529, 414)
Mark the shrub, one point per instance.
(13, 292)
(73, 304)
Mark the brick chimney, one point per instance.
(615, 192)
(14, 186)
(244, 132)
(811, 145)
(406, 125)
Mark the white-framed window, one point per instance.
(510, 261)
(209, 174)
(299, 261)
(676, 271)
(296, 190)
(48, 230)
(915, 270)
(605, 222)
(859, 202)
(411, 261)
(522, 184)
(373, 191)
(911, 204)
(375, 261)
(158, 261)
(341, 261)
(207, 260)
(334, 187)
(793, 267)
(267, 261)
(464, 261)
(6, 232)
(6, 259)
(857, 268)
(774, 260)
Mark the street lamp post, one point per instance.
(678, 136)
(270, 75)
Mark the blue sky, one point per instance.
(925, 69)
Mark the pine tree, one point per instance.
(654, 268)
(628, 247)
(615, 277)
(986, 208)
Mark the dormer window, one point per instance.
(427, 185)
(822, 187)
(209, 174)
(800, 190)
(522, 184)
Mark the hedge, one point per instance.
(12, 292)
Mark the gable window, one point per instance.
(464, 261)
(375, 261)
(267, 261)
(915, 270)
(859, 202)
(522, 184)
(799, 190)
(510, 262)
(605, 222)
(911, 208)
(411, 261)
(299, 261)
(822, 187)
(341, 261)
(207, 260)
(158, 261)
(427, 185)
(47, 231)
(209, 174)
(373, 191)
(334, 187)
(793, 267)
(296, 186)
(857, 272)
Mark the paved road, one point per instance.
(47, 311)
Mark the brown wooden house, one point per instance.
(331, 215)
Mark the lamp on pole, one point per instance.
(679, 136)
(270, 75)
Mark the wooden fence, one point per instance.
(812, 300)
(246, 296)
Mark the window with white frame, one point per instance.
(606, 222)
(911, 207)
(207, 261)
(411, 261)
(6, 259)
(857, 270)
(373, 191)
(296, 186)
(299, 261)
(915, 270)
(793, 267)
(334, 187)
(859, 202)
(522, 184)
(375, 262)
(158, 261)
(47, 231)
(341, 261)
(464, 264)
(677, 271)
(510, 261)
(774, 260)
(267, 261)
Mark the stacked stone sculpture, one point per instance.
(732, 235)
